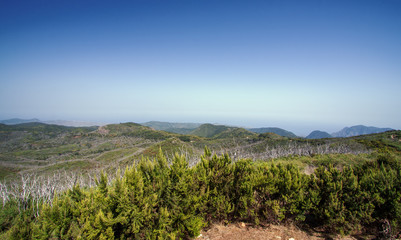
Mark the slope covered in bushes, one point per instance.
(155, 199)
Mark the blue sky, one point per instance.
(299, 65)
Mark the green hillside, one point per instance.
(278, 131)
(171, 146)
(234, 133)
(37, 148)
(41, 148)
(271, 136)
(318, 134)
(167, 125)
(179, 130)
(134, 130)
(209, 130)
(44, 129)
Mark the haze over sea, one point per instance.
(298, 65)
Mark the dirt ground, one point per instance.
(241, 231)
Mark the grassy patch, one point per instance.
(336, 160)
(43, 154)
(115, 155)
(6, 172)
(170, 147)
(72, 166)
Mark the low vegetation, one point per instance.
(156, 199)
(127, 181)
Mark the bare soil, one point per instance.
(242, 231)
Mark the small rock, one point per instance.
(242, 224)
(291, 239)
(278, 237)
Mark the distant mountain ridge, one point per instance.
(318, 134)
(73, 123)
(14, 121)
(210, 130)
(190, 128)
(43, 127)
(168, 125)
(348, 132)
(359, 130)
(276, 130)
(67, 123)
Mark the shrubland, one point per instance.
(158, 199)
(128, 181)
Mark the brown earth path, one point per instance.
(241, 231)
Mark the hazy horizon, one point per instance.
(297, 65)
(299, 130)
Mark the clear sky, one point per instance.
(299, 65)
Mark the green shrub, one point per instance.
(281, 192)
(159, 200)
(8, 213)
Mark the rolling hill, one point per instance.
(208, 130)
(278, 131)
(220, 132)
(318, 134)
(164, 126)
(43, 148)
(18, 121)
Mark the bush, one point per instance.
(157, 200)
